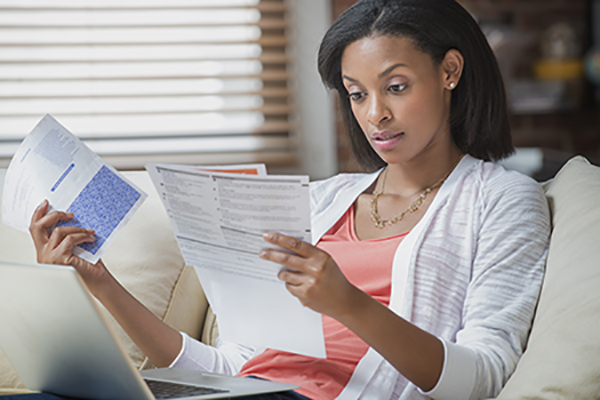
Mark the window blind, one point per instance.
(195, 81)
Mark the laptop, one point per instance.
(58, 342)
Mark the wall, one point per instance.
(309, 21)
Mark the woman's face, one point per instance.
(400, 99)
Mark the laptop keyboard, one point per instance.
(169, 390)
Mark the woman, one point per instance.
(426, 271)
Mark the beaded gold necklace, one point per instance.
(382, 223)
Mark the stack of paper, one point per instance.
(218, 219)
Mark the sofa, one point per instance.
(562, 359)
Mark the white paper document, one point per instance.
(218, 219)
(51, 163)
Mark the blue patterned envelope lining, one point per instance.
(101, 206)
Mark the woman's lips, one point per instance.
(386, 140)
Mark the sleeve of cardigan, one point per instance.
(507, 273)
(226, 358)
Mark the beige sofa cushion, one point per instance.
(562, 360)
(145, 258)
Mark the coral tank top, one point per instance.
(366, 264)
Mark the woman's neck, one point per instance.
(420, 173)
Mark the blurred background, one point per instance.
(235, 81)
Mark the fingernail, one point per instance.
(262, 253)
(268, 235)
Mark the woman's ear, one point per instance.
(452, 67)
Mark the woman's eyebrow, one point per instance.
(381, 75)
(390, 69)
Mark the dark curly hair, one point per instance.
(478, 111)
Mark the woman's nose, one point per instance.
(378, 111)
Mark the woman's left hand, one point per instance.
(311, 275)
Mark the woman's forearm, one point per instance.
(157, 340)
(416, 354)
(315, 279)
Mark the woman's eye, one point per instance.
(355, 96)
(397, 88)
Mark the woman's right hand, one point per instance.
(55, 246)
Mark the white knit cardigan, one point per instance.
(470, 273)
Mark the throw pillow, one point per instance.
(562, 360)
